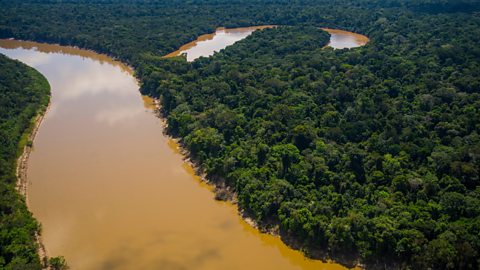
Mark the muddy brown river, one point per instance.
(113, 192)
(340, 39)
(208, 44)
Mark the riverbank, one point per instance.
(223, 192)
(271, 226)
(22, 169)
(26, 93)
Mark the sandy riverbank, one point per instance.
(21, 173)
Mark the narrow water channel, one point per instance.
(112, 192)
(340, 39)
(206, 45)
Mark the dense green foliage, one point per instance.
(23, 93)
(136, 30)
(372, 152)
(358, 151)
(58, 263)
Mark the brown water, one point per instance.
(208, 44)
(340, 39)
(112, 192)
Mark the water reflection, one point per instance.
(117, 115)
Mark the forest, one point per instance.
(23, 94)
(369, 154)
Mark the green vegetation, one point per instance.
(23, 94)
(371, 152)
(58, 263)
(355, 152)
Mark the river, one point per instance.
(208, 44)
(341, 39)
(113, 192)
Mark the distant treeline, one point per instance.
(372, 152)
